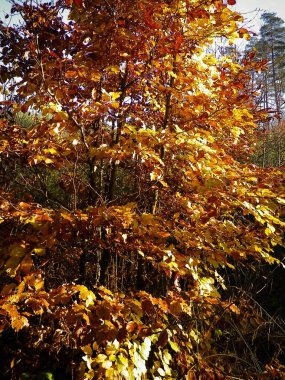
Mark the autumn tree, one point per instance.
(132, 192)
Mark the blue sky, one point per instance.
(252, 9)
(4, 6)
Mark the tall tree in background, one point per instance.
(270, 46)
(272, 39)
(125, 201)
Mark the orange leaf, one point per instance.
(71, 74)
(235, 309)
(131, 326)
(178, 42)
(24, 108)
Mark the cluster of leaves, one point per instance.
(123, 202)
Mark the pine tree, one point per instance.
(270, 46)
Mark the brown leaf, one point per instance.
(147, 307)
(175, 308)
(163, 338)
(26, 264)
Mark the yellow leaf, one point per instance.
(269, 230)
(174, 346)
(115, 69)
(156, 174)
(19, 322)
(171, 73)
(39, 284)
(48, 160)
(107, 364)
(123, 360)
(164, 184)
(110, 373)
(39, 251)
(67, 216)
(85, 294)
(51, 151)
(161, 371)
(115, 95)
(100, 358)
(231, 266)
(145, 348)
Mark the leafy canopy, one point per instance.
(132, 190)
